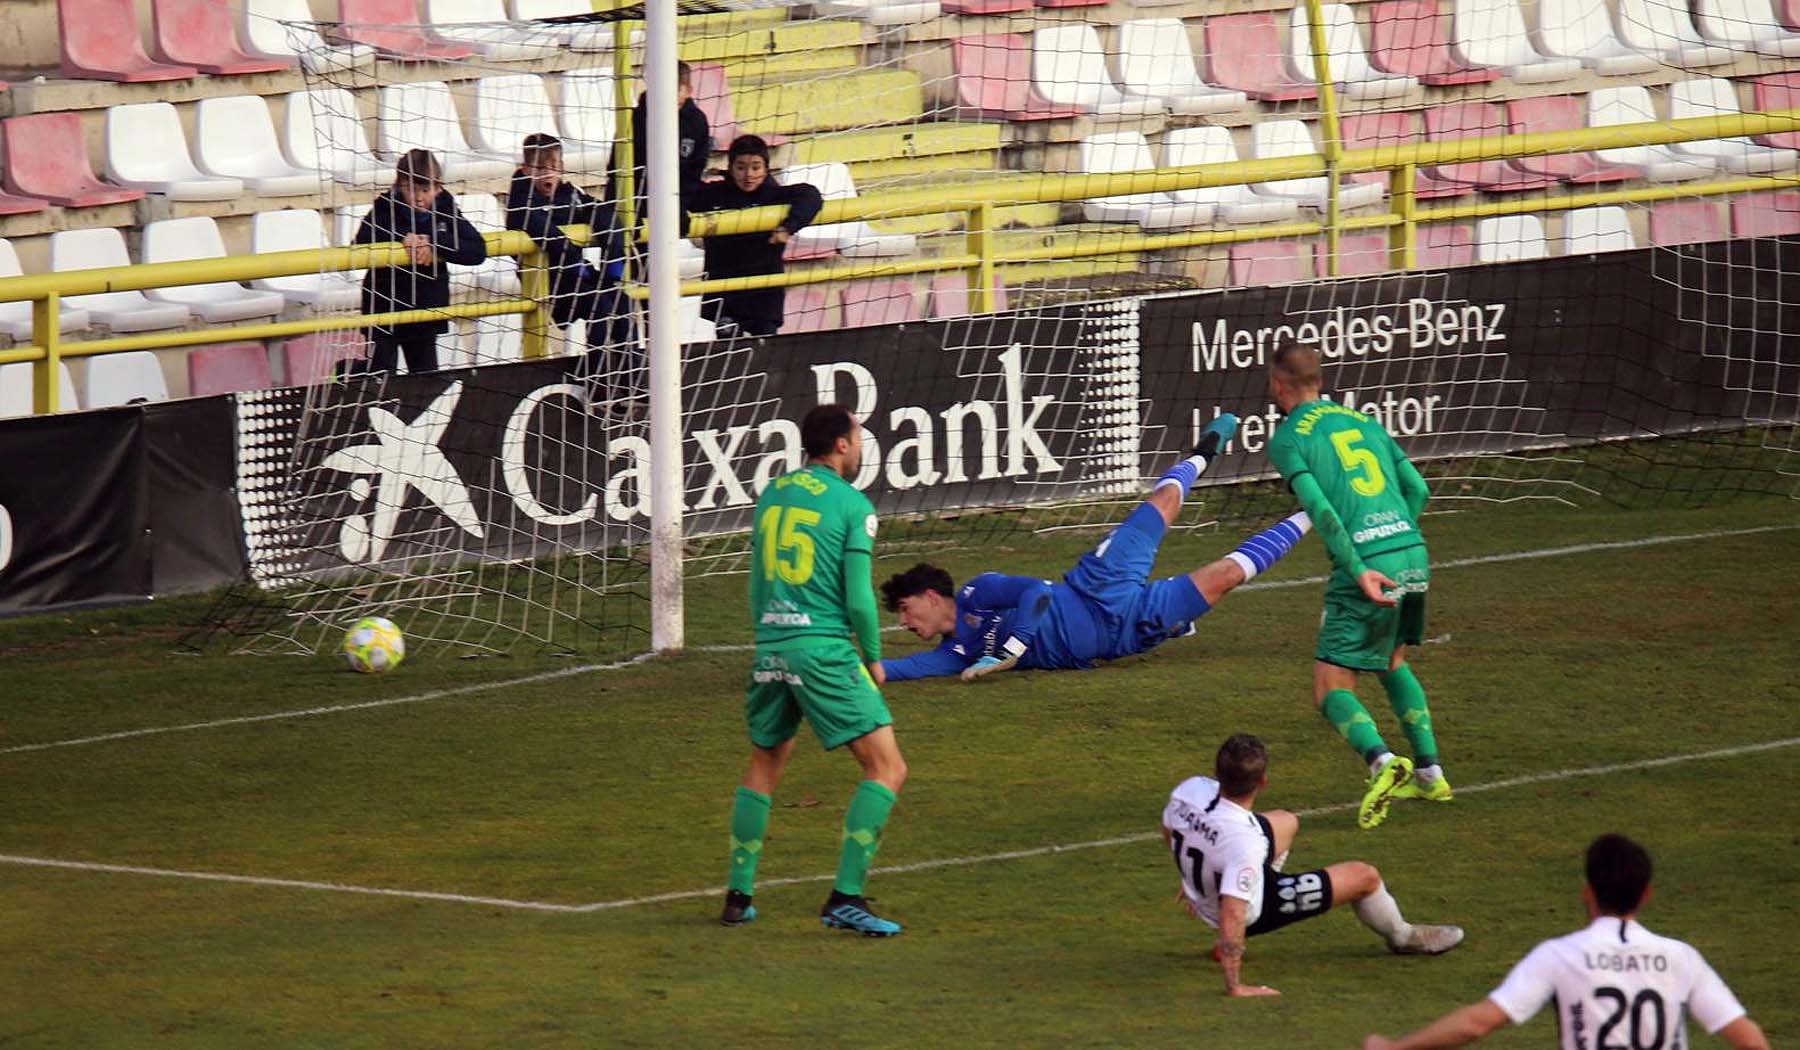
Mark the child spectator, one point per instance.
(693, 138)
(749, 185)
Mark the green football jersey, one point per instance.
(805, 523)
(1356, 464)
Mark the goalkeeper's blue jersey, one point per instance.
(1049, 619)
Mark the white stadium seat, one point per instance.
(1127, 151)
(497, 273)
(1293, 138)
(1747, 25)
(301, 229)
(1510, 238)
(15, 389)
(119, 311)
(180, 240)
(234, 137)
(590, 36)
(1069, 67)
(124, 379)
(1190, 147)
(1631, 104)
(1583, 29)
(1349, 59)
(1667, 31)
(856, 239)
(1713, 97)
(880, 13)
(15, 317)
(1156, 60)
(1492, 33)
(588, 119)
(423, 116)
(282, 29)
(323, 129)
(147, 150)
(484, 27)
(507, 109)
(1588, 230)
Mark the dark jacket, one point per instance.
(390, 288)
(750, 254)
(693, 145)
(541, 218)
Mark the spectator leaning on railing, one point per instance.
(420, 214)
(749, 185)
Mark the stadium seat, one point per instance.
(1052, 4)
(855, 239)
(234, 137)
(1778, 91)
(99, 41)
(507, 109)
(1126, 151)
(587, 119)
(345, 220)
(487, 341)
(423, 116)
(1582, 29)
(280, 29)
(806, 308)
(882, 12)
(199, 33)
(301, 229)
(695, 328)
(993, 79)
(1492, 33)
(1292, 138)
(582, 36)
(484, 27)
(949, 296)
(228, 369)
(13, 204)
(15, 317)
(131, 378)
(1559, 113)
(1359, 255)
(119, 311)
(1374, 129)
(1412, 37)
(880, 302)
(1069, 67)
(1468, 120)
(1712, 97)
(1156, 61)
(15, 389)
(323, 129)
(147, 150)
(180, 240)
(1589, 230)
(1190, 147)
(47, 158)
(392, 28)
(1667, 31)
(1444, 244)
(1245, 53)
(1267, 262)
(1632, 105)
(1747, 25)
(712, 93)
(1685, 222)
(311, 358)
(1766, 215)
(497, 273)
(1509, 238)
(984, 7)
(1355, 77)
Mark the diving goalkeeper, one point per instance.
(1105, 608)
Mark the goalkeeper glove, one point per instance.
(989, 664)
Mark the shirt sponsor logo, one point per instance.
(1381, 532)
(787, 619)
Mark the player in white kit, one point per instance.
(1230, 859)
(1615, 984)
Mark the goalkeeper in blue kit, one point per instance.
(1105, 608)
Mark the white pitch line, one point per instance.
(1551, 776)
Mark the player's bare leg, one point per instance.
(884, 772)
(1334, 694)
(1285, 827)
(1359, 885)
(749, 823)
(1407, 697)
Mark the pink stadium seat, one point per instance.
(200, 33)
(392, 28)
(1445, 244)
(1373, 130)
(13, 205)
(46, 156)
(1469, 120)
(950, 296)
(1559, 113)
(1685, 222)
(880, 302)
(1246, 52)
(1359, 255)
(312, 358)
(99, 40)
(807, 310)
(1412, 37)
(1778, 91)
(712, 93)
(993, 79)
(1073, 3)
(1766, 215)
(1267, 262)
(228, 369)
(985, 7)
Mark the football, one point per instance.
(374, 645)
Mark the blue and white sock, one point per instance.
(1266, 548)
(1182, 475)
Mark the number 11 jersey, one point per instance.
(1220, 848)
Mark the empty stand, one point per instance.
(880, 302)
(807, 309)
(1667, 31)
(984, 7)
(199, 33)
(423, 116)
(949, 296)
(1191, 147)
(391, 27)
(1359, 255)
(1712, 97)
(1126, 151)
(119, 311)
(509, 108)
(279, 29)
(712, 93)
(1292, 138)
(1376, 129)
(1583, 29)
(311, 358)
(578, 37)
(484, 27)
(1766, 215)
(855, 238)
(1589, 230)
(130, 378)
(1492, 33)
(1444, 244)
(882, 12)
(1560, 113)
(993, 79)
(1747, 24)
(1778, 91)
(179, 240)
(1632, 105)
(15, 389)
(1246, 53)
(234, 137)
(587, 119)
(1069, 66)
(1412, 37)
(323, 130)
(15, 317)
(1267, 262)
(1685, 222)
(228, 369)
(1355, 77)
(99, 41)
(301, 230)
(1157, 61)
(1467, 120)
(497, 273)
(146, 150)
(1510, 238)
(46, 158)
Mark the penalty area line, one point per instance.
(1530, 779)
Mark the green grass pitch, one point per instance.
(602, 786)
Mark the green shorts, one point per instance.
(823, 680)
(1358, 634)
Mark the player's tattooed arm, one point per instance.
(1230, 949)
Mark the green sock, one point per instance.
(1351, 719)
(749, 821)
(1407, 697)
(862, 835)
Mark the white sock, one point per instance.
(1280, 861)
(1379, 912)
(1380, 760)
(1427, 775)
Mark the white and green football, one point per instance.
(374, 645)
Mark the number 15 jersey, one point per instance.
(805, 523)
(1619, 986)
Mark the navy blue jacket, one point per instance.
(387, 289)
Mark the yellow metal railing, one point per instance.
(981, 253)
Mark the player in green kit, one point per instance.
(1364, 497)
(811, 592)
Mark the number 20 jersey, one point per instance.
(1356, 464)
(1221, 849)
(805, 523)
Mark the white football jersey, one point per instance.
(1617, 984)
(1219, 847)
